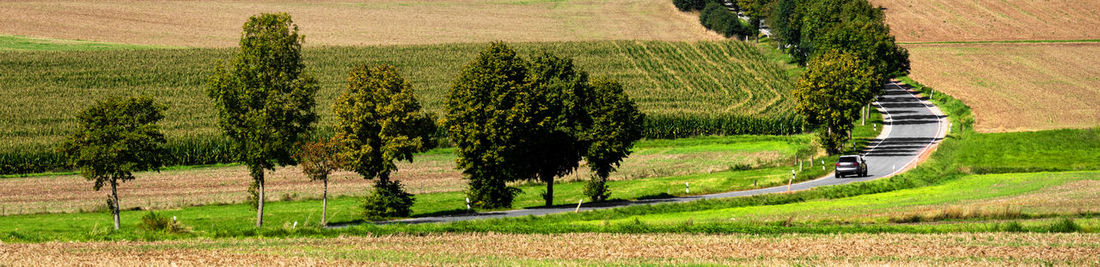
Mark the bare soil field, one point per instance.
(384, 22)
(1016, 87)
(581, 249)
(991, 20)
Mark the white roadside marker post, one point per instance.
(790, 181)
(467, 204)
(578, 209)
(823, 165)
(687, 188)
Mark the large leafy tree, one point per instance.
(489, 114)
(115, 138)
(378, 122)
(871, 42)
(562, 92)
(263, 98)
(831, 92)
(615, 125)
(786, 23)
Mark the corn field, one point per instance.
(685, 88)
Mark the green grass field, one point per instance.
(22, 43)
(238, 219)
(686, 89)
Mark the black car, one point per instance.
(851, 165)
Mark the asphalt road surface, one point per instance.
(912, 127)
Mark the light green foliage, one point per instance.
(379, 121)
(831, 93)
(263, 100)
(490, 112)
(117, 137)
(755, 8)
(616, 124)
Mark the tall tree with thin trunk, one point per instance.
(263, 98)
(318, 160)
(115, 138)
(378, 122)
(831, 92)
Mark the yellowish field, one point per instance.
(988, 20)
(581, 249)
(379, 22)
(1016, 87)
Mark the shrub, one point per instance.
(154, 222)
(1065, 225)
(387, 199)
(596, 189)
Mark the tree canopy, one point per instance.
(831, 92)
(264, 101)
(115, 138)
(378, 122)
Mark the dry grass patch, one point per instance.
(586, 248)
(988, 20)
(385, 22)
(1016, 87)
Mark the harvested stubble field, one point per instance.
(991, 20)
(1016, 87)
(429, 173)
(582, 249)
(686, 88)
(382, 22)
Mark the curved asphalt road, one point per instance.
(912, 127)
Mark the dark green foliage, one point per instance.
(264, 101)
(689, 5)
(615, 125)
(387, 199)
(517, 120)
(117, 137)
(489, 110)
(786, 23)
(562, 95)
(379, 121)
(719, 19)
(831, 93)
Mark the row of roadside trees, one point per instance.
(849, 54)
(511, 120)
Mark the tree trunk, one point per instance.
(324, 204)
(114, 196)
(258, 175)
(549, 197)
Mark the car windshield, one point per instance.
(848, 159)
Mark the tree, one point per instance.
(786, 22)
(115, 138)
(379, 121)
(615, 125)
(318, 160)
(489, 113)
(830, 94)
(264, 100)
(561, 92)
(872, 43)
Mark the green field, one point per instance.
(655, 176)
(22, 43)
(685, 88)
